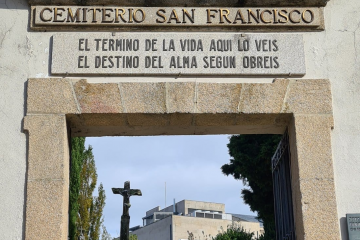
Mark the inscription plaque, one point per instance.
(168, 18)
(178, 54)
(353, 223)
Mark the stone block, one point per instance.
(263, 98)
(65, 54)
(217, 97)
(308, 97)
(313, 147)
(104, 119)
(318, 210)
(215, 119)
(180, 97)
(313, 177)
(98, 98)
(144, 97)
(185, 120)
(51, 95)
(48, 147)
(263, 119)
(147, 119)
(47, 209)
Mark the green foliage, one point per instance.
(88, 179)
(96, 219)
(251, 163)
(104, 233)
(85, 210)
(77, 150)
(267, 236)
(234, 233)
(133, 237)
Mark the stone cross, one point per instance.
(126, 192)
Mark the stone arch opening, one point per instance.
(59, 106)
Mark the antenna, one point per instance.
(165, 195)
(174, 207)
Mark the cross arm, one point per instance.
(136, 192)
(117, 190)
(131, 192)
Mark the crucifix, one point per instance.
(126, 192)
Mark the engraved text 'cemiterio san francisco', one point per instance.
(175, 17)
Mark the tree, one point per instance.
(96, 218)
(85, 209)
(104, 234)
(234, 232)
(251, 163)
(133, 237)
(77, 156)
(88, 179)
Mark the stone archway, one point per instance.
(57, 105)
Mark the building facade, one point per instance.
(41, 107)
(187, 218)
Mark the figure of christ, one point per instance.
(126, 192)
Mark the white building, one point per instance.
(202, 220)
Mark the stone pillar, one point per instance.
(313, 187)
(47, 177)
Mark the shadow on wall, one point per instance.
(23, 4)
(14, 4)
(343, 227)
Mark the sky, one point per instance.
(190, 166)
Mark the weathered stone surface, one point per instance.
(98, 98)
(220, 119)
(175, 54)
(178, 119)
(190, 3)
(313, 135)
(318, 204)
(263, 98)
(51, 95)
(313, 176)
(180, 97)
(48, 177)
(47, 209)
(309, 97)
(217, 97)
(148, 119)
(48, 148)
(263, 119)
(104, 119)
(143, 97)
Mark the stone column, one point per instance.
(313, 187)
(47, 177)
